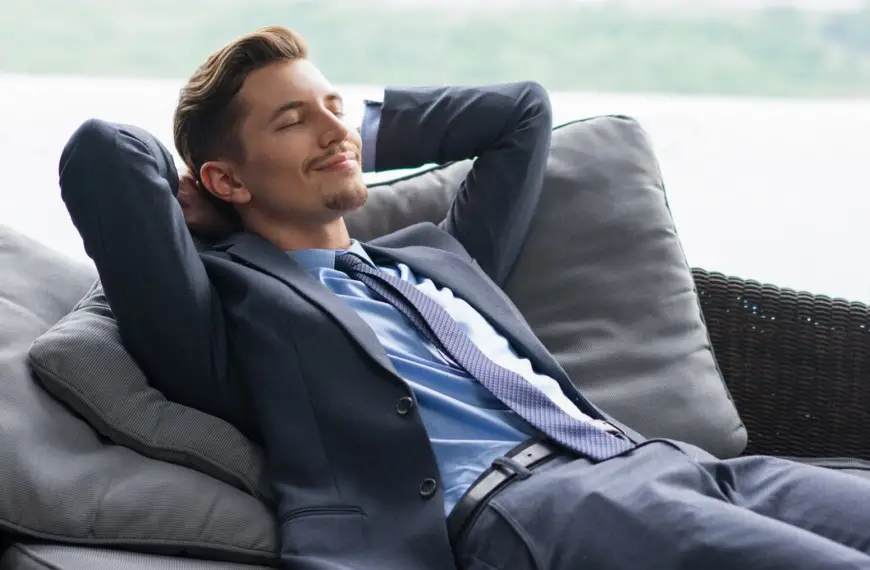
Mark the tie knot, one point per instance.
(348, 261)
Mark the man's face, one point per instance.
(302, 163)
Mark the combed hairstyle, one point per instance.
(208, 115)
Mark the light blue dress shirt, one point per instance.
(468, 427)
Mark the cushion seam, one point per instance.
(128, 540)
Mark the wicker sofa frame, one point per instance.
(797, 365)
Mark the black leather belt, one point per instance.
(526, 455)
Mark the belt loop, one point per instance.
(512, 467)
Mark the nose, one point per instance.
(334, 130)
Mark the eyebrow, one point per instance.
(290, 105)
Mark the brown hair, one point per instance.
(207, 117)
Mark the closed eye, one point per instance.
(337, 113)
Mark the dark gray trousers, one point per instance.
(669, 506)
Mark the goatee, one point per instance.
(348, 199)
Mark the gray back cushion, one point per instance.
(61, 481)
(602, 280)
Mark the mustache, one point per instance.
(342, 148)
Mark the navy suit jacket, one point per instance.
(241, 331)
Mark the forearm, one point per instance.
(424, 125)
(506, 128)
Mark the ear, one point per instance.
(219, 178)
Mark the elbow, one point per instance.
(536, 101)
(83, 160)
(87, 142)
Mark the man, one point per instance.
(411, 418)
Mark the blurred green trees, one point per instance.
(777, 52)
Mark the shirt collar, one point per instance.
(314, 259)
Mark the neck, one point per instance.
(289, 237)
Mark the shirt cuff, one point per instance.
(369, 132)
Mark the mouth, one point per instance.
(341, 161)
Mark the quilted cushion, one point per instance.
(61, 481)
(602, 280)
(83, 362)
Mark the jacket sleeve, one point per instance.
(506, 128)
(119, 185)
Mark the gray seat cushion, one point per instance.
(61, 481)
(56, 557)
(602, 280)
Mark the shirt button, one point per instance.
(428, 487)
(404, 406)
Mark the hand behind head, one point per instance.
(204, 215)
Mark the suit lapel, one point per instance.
(469, 283)
(266, 257)
(444, 268)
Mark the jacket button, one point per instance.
(428, 487)
(404, 406)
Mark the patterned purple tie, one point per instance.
(517, 393)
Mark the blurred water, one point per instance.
(774, 190)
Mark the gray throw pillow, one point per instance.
(82, 361)
(602, 279)
(61, 481)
